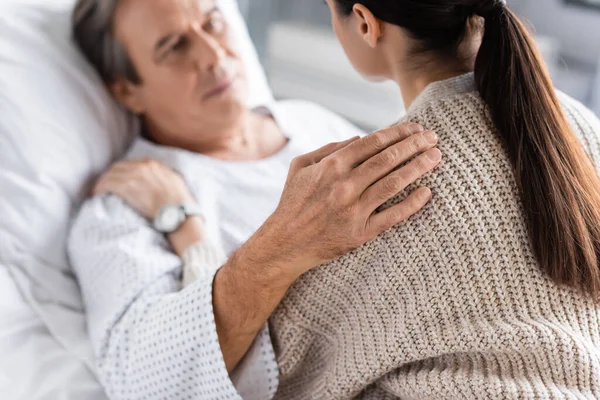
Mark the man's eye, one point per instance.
(180, 44)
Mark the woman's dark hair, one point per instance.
(560, 187)
(93, 33)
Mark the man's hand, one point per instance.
(146, 186)
(328, 207)
(329, 204)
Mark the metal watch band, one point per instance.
(192, 210)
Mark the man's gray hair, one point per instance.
(93, 33)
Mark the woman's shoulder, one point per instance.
(457, 104)
(583, 121)
(578, 110)
(463, 113)
(461, 119)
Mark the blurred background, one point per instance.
(303, 59)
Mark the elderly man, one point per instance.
(209, 179)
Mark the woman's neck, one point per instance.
(412, 82)
(413, 73)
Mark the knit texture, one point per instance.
(452, 303)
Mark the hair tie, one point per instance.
(488, 8)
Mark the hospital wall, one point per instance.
(303, 59)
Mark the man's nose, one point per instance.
(209, 52)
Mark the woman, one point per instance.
(492, 292)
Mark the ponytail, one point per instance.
(560, 187)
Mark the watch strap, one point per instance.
(192, 210)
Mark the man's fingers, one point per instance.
(382, 221)
(383, 163)
(124, 165)
(109, 184)
(119, 172)
(329, 149)
(319, 154)
(130, 166)
(360, 151)
(397, 181)
(103, 186)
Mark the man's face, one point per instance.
(192, 81)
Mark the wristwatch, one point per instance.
(171, 216)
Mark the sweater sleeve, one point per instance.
(151, 340)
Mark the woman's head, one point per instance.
(560, 187)
(421, 31)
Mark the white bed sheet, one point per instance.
(33, 364)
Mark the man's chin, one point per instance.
(228, 108)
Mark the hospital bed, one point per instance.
(59, 129)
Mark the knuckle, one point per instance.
(417, 144)
(403, 176)
(417, 165)
(143, 171)
(296, 161)
(150, 163)
(413, 127)
(411, 173)
(423, 164)
(416, 201)
(377, 140)
(406, 130)
(343, 192)
(334, 163)
(394, 184)
(387, 159)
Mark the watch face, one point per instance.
(169, 219)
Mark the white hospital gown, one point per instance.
(152, 339)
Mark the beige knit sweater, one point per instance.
(451, 304)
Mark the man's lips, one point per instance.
(220, 88)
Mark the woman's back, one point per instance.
(451, 304)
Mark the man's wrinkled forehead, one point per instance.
(152, 19)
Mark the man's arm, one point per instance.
(328, 207)
(261, 293)
(151, 340)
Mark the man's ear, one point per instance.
(128, 94)
(371, 28)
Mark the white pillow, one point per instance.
(59, 128)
